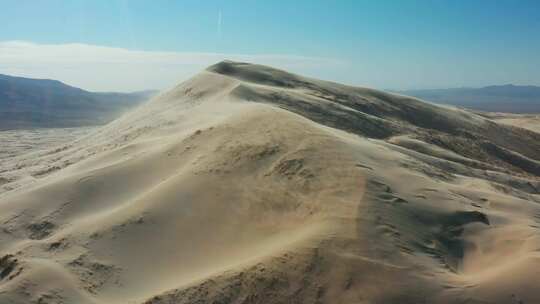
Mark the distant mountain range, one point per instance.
(35, 103)
(500, 98)
(31, 103)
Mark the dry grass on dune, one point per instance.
(248, 184)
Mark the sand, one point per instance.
(247, 184)
(526, 121)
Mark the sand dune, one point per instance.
(526, 121)
(247, 184)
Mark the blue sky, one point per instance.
(385, 44)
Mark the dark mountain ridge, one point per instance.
(496, 98)
(34, 103)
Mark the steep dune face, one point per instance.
(381, 115)
(248, 184)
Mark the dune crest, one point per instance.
(247, 184)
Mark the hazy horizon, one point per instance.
(136, 45)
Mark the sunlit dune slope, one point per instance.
(247, 184)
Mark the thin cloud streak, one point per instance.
(103, 68)
(219, 24)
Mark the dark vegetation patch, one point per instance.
(9, 267)
(40, 230)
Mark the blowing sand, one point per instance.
(247, 184)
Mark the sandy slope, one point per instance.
(19, 147)
(527, 121)
(247, 184)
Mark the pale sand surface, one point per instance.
(251, 185)
(20, 142)
(527, 121)
(20, 148)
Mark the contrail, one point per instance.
(219, 24)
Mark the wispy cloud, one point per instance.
(108, 68)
